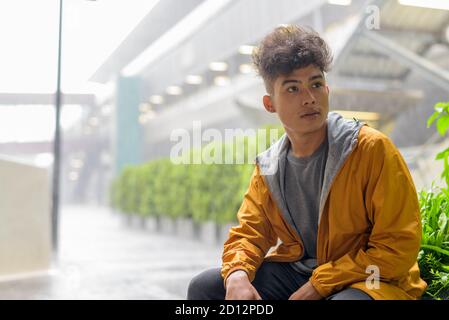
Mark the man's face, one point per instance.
(301, 100)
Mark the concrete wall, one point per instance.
(25, 225)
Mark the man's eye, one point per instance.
(292, 89)
(317, 85)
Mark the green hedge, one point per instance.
(198, 191)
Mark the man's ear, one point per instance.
(327, 88)
(268, 104)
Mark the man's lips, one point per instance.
(310, 114)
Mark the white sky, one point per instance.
(24, 123)
(92, 30)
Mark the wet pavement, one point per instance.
(103, 257)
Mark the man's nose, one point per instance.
(308, 97)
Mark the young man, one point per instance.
(335, 197)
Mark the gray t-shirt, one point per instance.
(303, 182)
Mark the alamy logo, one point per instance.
(373, 280)
(372, 21)
(237, 146)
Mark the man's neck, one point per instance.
(304, 145)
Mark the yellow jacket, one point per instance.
(369, 216)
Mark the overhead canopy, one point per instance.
(374, 69)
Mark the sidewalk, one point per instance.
(101, 257)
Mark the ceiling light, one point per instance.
(246, 68)
(246, 49)
(76, 163)
(150, 114)
(144, 107)
(194, 79)
(431, 4)
(218, 66)
(174, 90)
(143, 119)
(73, 176)
(156, 99)
(340, 2)
(221, 81)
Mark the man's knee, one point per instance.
(350, 294)
(208, 285)
(196, 287)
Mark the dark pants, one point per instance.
(273, 281)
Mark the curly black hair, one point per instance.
(288, 48)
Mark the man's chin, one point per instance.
(311, 129)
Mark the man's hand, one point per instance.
(306, 292)
(238, 287)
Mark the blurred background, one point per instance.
(133, 72)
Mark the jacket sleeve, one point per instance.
(393, 210)
(249, 242)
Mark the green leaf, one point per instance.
(432, 118)
(443, 124)
(443, 154)
(436, 249)
(441, 106)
